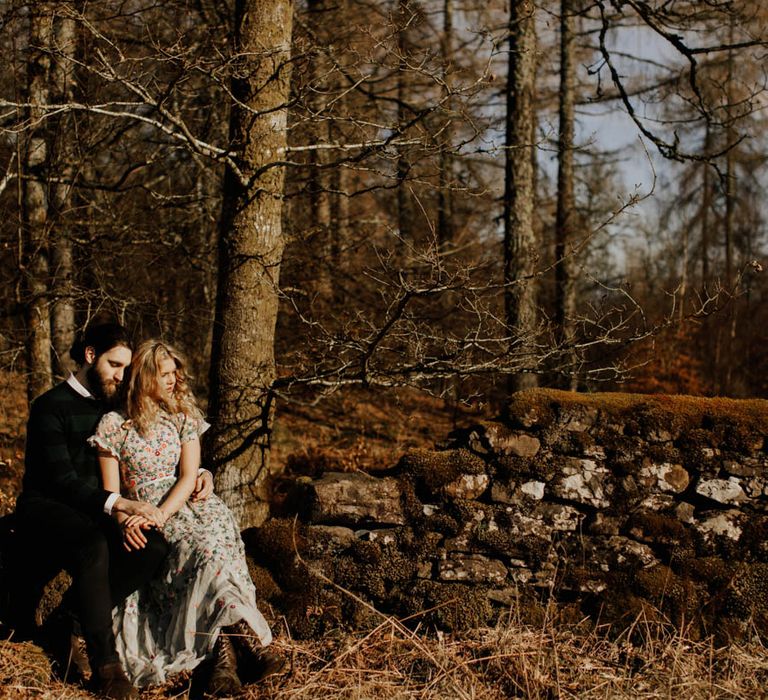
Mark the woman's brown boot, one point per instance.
(224, 680)
(258, 661)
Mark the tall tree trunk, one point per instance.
(519, 186)
(706, 205)
(63, 83)
(250, 252)
(339, 179)
(319, 198)
(565, 301)
(35, 204)
(404, 208)
(445, 192)
(728, 223)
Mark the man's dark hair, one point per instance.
(102, 337)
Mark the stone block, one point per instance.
(748, 466)
(626, 552)
(324, 539)
(516, 494)
(511, 442)
(724, 524)
(534, 489)
(472, 568)
(503, 493)
(577, 418)
(584, 481)
(664, 476)
(685, 512)
(722, 490)
(354, 499)
(468, 486)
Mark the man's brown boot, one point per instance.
(259, 661)
(224, 680)
(110, 681)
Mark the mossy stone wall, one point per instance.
(612, 505)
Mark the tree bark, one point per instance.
(404, 208)
(729, 219)
(706, 204)
(339, 180)
(34, 221)
(565, 301)
(519, 189)
(63, 85)
(445, 192)
(319, 198)
(250, 251)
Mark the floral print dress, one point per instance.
(171, 624)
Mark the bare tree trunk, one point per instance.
(445, 194)
(35, 205)
(404, 209)
(706, 204)
(251, 245)
(63, 83)
(319, 198)
(519, 188)
(565, 301)
(728, 223)
(339, 234)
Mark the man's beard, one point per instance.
(107, 392)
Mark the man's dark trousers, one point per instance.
(91, 551)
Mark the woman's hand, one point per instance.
(133, 532)
(151, 513)
(203, 486)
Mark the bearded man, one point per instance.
(63, 512)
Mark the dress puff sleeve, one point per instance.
(109, 434)
(191, 427)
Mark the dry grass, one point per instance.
(510, 660)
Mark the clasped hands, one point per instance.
(142, 516)
(133, 528)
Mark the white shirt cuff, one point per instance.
(110, 502)
(203, 469)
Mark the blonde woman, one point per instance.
(204, 599)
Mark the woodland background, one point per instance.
(335, 196)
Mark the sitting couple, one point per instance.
(160, 580)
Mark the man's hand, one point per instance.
(203, 486)
(133, 532)
(151, 513)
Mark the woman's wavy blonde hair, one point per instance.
(144, 385)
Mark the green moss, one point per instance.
(681, 599)
(431, 470)
(743, 603)
(500, 541)
(511, 466)
(659, 529)
(684, 413)
(312, 612)
(274, 545)
(52, 595)
(446, 606)
(663, 453)
(754, 538)
(693, 441)
(569, 442)
(713, 571)
(265, 585)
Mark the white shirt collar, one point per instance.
(78, 387)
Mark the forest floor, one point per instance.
(508, 661)
(548, 660)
